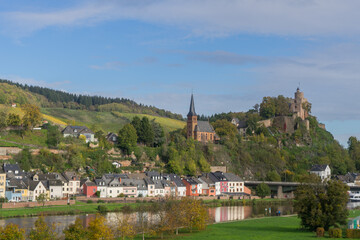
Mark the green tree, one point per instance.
(136, 122)
(225, 129)
(273, 176)
(321, 204)
(267, 108)
(53, 136)
(127, 138)
(12, 232)
(159, 136)
(282, 106)
(32, 116)
(42, 231)
(146, 132)
(3, 122)
(263, 190)
(75, 231)
(13, 120)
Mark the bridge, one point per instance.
(285, 189)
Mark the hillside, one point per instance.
(107, 121)
(46, 97)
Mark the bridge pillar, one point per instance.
(280, 192)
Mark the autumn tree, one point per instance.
(127, 138)
(75, 231)
(32, 116)
(176, 217)
(225, 129)
(13, 120)
(195, 214)
(98, 230)
(42, 231)
(12, 232)
(321, 204)
(41, 199)
(124, 228)
(263, 190)
(144, 226)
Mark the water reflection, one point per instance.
(218, 214)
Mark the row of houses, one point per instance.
(17, 185)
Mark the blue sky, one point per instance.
(230, 53)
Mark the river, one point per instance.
(217, 214)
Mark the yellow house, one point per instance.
(2, 183)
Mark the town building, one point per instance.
(321, 170)
(76, 131)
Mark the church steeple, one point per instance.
(192, 112)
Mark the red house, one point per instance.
(90, 189)
(193, 186)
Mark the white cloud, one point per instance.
(203, 17)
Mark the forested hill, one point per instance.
(12, 92)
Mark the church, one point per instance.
(201, 131)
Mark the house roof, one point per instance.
(17, 183)
(242, 124)
(55, 182)
(204, 126)
(110, 136)
(11, 167)
(192, 107)
(232, 177)
(318, 167)
(217, 176)
(192, 181)
(76, 130)
(100, 182)
(33, 184)
(70, 175)
(90, 184)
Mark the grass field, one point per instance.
(108, 121)
(167, 123)
(36, 137)
(269, 228)
(77, 208)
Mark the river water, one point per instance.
(217, 214)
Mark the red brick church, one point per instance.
(201, 131)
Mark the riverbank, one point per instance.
(88, 208)
(267, 228)
(77, 208)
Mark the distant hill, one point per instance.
(63, 108)
(46, 97)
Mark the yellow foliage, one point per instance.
(99, 230)
(54, 120)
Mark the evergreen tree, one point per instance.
(127, 138)
(146, 132)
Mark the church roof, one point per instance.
(192, 107)
(204, 126)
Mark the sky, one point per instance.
(229, 53)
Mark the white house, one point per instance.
(35, 189)
(235, 183)
(55, 189)
(323, 171)
(114, 188)
(101, 187)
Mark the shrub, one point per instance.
(121, 195)
(89, 201)
(352, 233)
(102, 208)
(320, 232)
(335, 233)
(100, 201)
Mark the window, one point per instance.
(110, 191)
(52, 190)
(93, 189)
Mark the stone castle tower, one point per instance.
(191, 119)
(296, 106)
